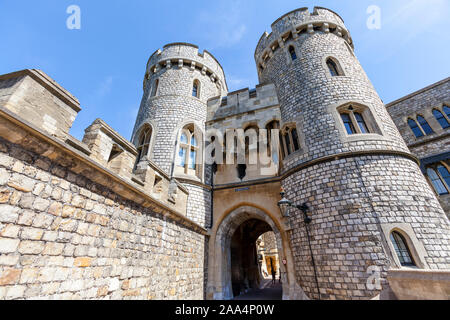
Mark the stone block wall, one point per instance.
(422, 103)
(199, 204)
(63, 236)
(350, 199)
(37, 97)
(432, 149)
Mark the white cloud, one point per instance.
(417, 16)
(224, 25)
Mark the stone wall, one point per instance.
(63, 236)
(432, 149)
(422, 103)
(350, 199)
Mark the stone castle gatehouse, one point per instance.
(152, 218)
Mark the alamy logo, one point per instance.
(249, 147)
(73, 22)
(374, 280)
(374, 20)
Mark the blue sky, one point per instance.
(103, 64)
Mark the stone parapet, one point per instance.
(20, 132)
(297, 22)
(186, 54)
(39, 100)
(242, 101)
(411, 284)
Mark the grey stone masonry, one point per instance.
(169, 104)
(64, 237)
(354, 183)
(422, 103)
(432, 148)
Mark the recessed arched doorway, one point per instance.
(235, 259)
(246, 267)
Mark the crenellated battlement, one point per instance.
(241, 101)
(182, 54)
(295, 23)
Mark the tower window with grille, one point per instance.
(402, 250)
(441, 119)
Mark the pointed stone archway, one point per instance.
(220, 285)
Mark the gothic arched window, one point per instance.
(441, 118)
(354, 119)
(189, 155)
(415, 128)
(425, 126)
(292, 53)
(402, 250)
(143, 146)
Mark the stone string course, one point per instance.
(64, 237)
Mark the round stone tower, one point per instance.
(178, 82)
(349, 163)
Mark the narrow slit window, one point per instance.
(424, 124)
(415, 128)
(155, 87)
(402, 250)
(295, 139)
(195, 89)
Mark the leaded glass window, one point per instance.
(402, 250)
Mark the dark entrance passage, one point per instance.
(246, 277)
(269, 292)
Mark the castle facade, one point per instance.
(175, 213)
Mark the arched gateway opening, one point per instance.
(236, 256)
(247, 272)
